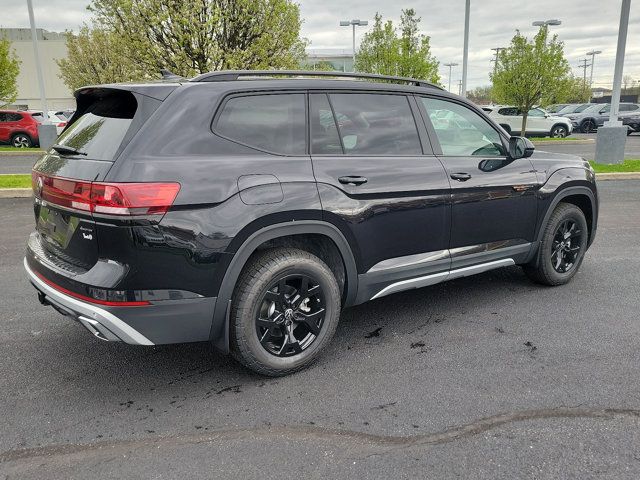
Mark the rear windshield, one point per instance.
(99, 131)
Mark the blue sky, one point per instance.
(586, 25)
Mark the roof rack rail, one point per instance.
(231, 75)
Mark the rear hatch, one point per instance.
(69, 194)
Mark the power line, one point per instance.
(583, 65)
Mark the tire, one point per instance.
(548, 267)
(21, 140)
(264, 310)
(587, 126)
(559, 131)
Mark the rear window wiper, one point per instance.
(66, 150)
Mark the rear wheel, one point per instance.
(285, 311)
(562, 248)
(559, 131)
(21, 140)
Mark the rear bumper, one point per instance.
(169, 321)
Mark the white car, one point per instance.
(539, 122)
(59, 121)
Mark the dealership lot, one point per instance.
(484, 377)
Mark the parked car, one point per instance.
(593, 117)
(539, 122)
(556, 107)
(632, 120)
(18, 128)
(248, 211)
(573, 108)
(60, 123)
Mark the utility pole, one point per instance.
(465, 50)
(495, 65)
(459, 87)
(583, 65)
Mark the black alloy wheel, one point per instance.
(291, 315)
(588, 126)
(567, 243)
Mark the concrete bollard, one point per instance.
(610, 143)
(47, 135)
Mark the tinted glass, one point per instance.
(274, 123)
(510, 111)
(376, 124)
(536, 112)
(324, 132)
(14, 117)
(101, 129)
(461, 131)
(3, 117)
(627, 107)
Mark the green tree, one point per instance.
(570, 90)
(480, 95)
(9, 69)
(529, 71)
(96, 56)
(385, 52)
(198, 36)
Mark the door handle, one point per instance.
(352, 180)
(461, 177)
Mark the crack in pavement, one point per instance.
(314, 432)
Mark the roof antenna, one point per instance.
(169, 75)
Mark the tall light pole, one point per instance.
(450, 65)
(612, 136)
(354, 23)
(465, 49)
(593, 54)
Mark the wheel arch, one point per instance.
(559, 124)
(580, 196)
(290, 234)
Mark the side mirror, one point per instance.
(520, 147)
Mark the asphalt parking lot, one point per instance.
(23, 163)
(484, 377)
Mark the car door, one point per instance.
(380, 184)
(537, 121)
(493, 202)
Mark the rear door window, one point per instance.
(376, 124)
(100, 130)
(274, 123)
(324, 131)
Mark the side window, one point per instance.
(509, 112)
(324, 131)
(274, 122)
(3, 117)
(627, 107)
(14, 117)
(535, 112)
(464, 132)
(376, 124)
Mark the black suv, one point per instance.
(248, 208)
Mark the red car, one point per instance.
(19, 129)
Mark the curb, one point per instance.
(618, 176)
(16, 153)
(15, 192)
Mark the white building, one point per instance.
(52, 47)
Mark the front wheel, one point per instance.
(285, 311)
(562, 249)
(588, 126)
(559, 131)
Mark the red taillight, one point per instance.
(106, 198)
(62, 124)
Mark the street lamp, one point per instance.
(546, 23)
(354, 23)
(593, 54)
(450, 65)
